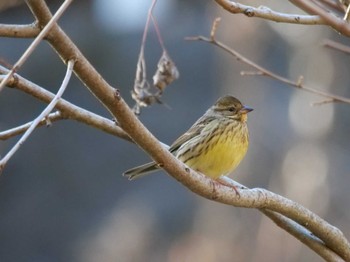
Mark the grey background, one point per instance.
(62, 196)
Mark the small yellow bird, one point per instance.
(214, 145)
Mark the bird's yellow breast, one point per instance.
(221, 155)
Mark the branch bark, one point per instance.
(35, 43)
(318, 16)
(42, 116)
(67, 109)
(53, 117)
(20, 31)
(269, 14)
(264, 72)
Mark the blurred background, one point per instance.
(62, 196)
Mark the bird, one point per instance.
(214, 145)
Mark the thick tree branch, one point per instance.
(268, 14)
(318, 15)
(66, 49)
(303, 235)
(335, 22)
(35, 43)
(293, 228)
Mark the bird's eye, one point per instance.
(232, 109)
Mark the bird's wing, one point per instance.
(194, 131)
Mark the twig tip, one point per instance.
(214, 28)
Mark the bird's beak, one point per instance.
(245, 110)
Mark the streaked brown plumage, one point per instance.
(214, 145)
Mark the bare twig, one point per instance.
(295, 229)
(332, 4)
(67, 109)
(330, 19)
(304, 235)
(159, 36)
(214, 27)
(42, 116)
(322, 102)
(318, 15)
(346, 16)
(263, 71)
(336, 46)
(35, 43)
(268, 14)
(145, 32)
(22, 128)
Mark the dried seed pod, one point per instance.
(166, 72)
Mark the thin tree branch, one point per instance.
(336, 5)
(35, 43)
(330, 19)
(20, 31)
(318, 15)
(296, 230)
(336, 46)
(67, 109)
(269, 14)
(303, 235)
(42, 116)
(346, 16)
(53, 117)
(263, 71)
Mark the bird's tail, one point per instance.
(140, 171)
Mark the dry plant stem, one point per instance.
(149, 16)
(156, 27)
(35, 43)
(53, 117)
(42, 116)
(21, 31)
(67, 109)
(265, 72)
(256, 198)
(268, 14)
(337, 46)
(330, 19)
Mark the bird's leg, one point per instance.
(227, 183)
